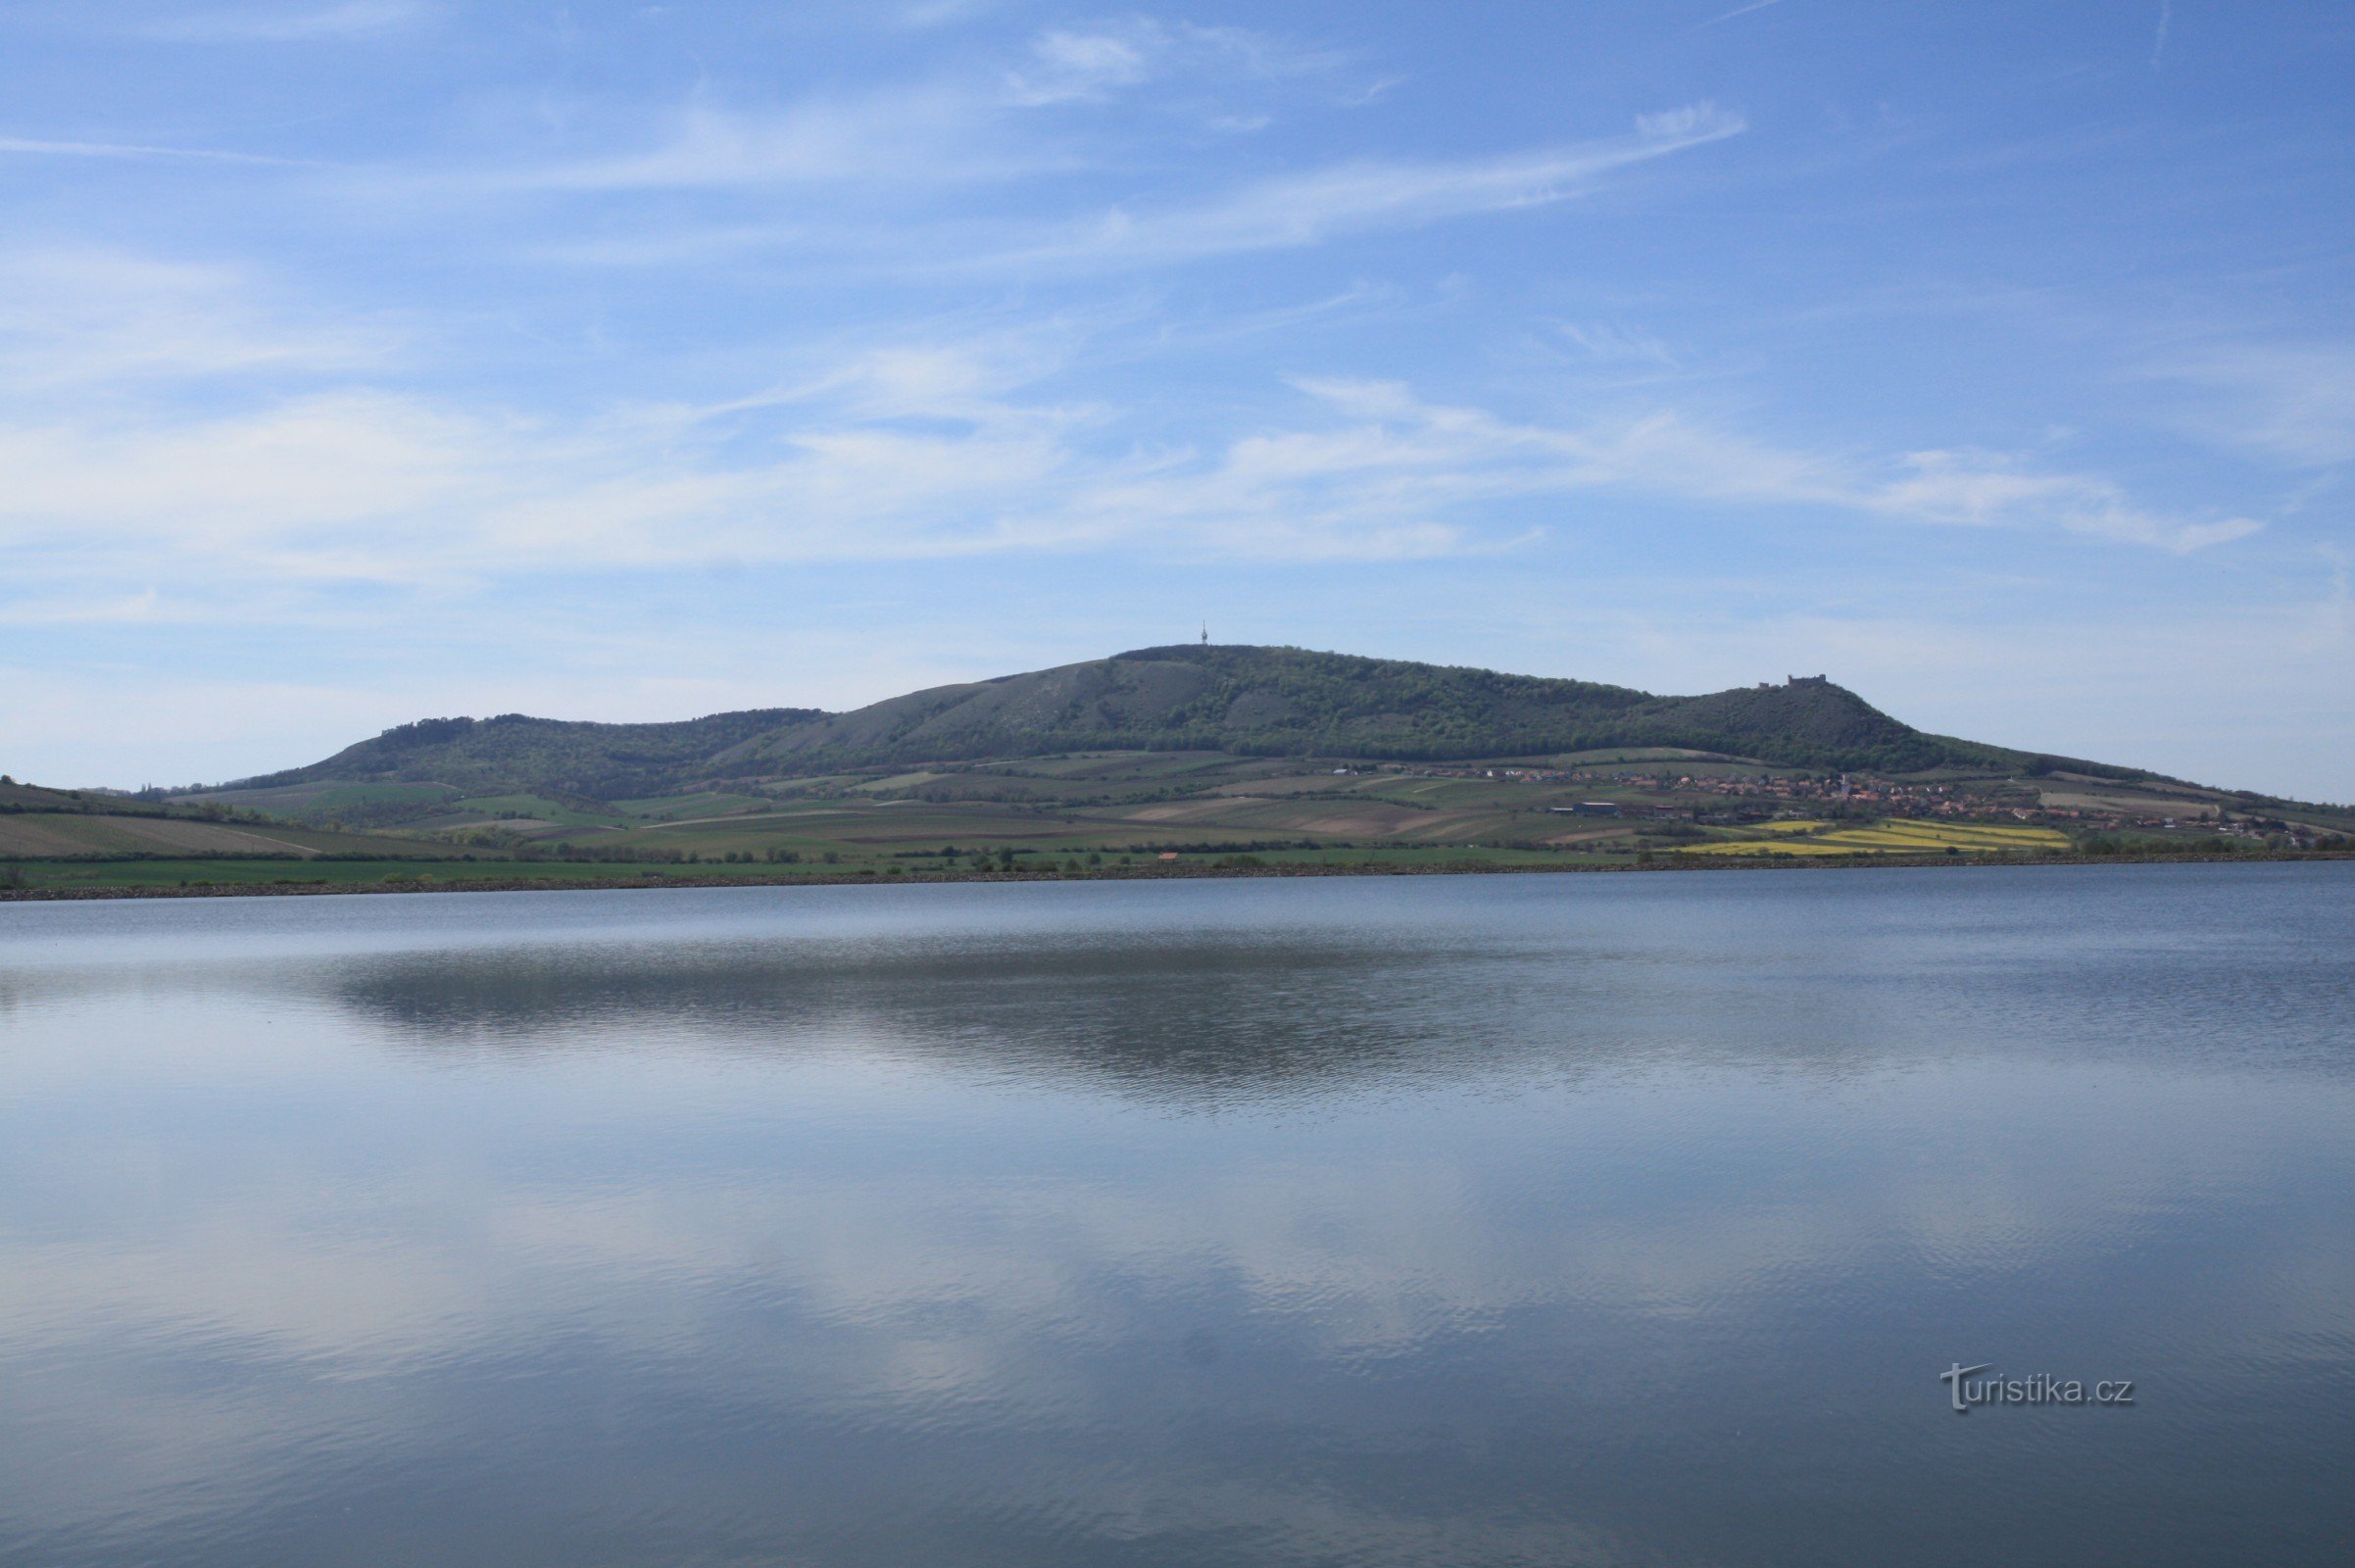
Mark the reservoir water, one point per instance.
(1450, 1221)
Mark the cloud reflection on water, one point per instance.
(1489, 1234)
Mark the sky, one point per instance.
(363, 361)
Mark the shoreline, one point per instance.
(282, 890)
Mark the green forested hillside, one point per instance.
(1288, 701)
(514, 752)
(1240, 700)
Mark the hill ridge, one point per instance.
(1266, 701)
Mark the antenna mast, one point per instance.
(1205, 634)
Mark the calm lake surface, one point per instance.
(1447, 1221)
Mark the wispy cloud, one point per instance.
(919, 451)
(1616, 342)
(1738, 11)
(2291, 401)
(1094, 64)
(940, 139)
(1980, 489)
(1410, 449)
(1076, 66)
(48, 148)
(907, 137)
(959, 125)
(128, 609)
(352, 19)
(1308, 209)
(101, 318)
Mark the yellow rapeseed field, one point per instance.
(1895, 836)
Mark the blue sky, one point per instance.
(365, 360)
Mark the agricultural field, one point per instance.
(288, 800)
(692, 807)
(49, 835)
(1893, 836)
(1119, 803)
(534, 809)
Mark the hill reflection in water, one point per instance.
(1319, 988)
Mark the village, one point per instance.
(1728, 797)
